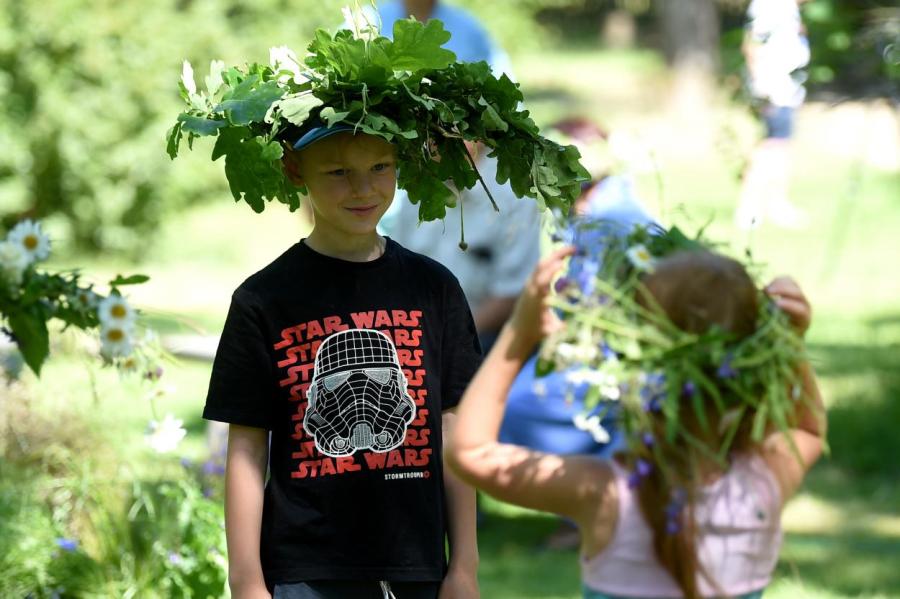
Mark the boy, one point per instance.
(346, 349)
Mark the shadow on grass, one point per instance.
(863, 422)
(848, 564)
(513, 563)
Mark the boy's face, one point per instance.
(351, 181)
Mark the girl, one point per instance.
(717, 532)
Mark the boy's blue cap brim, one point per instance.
(320, 132)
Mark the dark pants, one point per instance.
(355, 590)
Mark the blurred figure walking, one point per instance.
(776, 50)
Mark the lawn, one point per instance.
(843, 529)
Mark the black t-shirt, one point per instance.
(349, 365)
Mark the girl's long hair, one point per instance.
(696, 290)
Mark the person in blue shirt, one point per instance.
(470, 42)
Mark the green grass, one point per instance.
(843, 531)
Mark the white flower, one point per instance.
(591, 424)
(283, 58)
(85, 299)
(115, 341)
(28, 234)
(539, 388)
(571, 353)
(607, 383)
(165, 436)
(641, 257)
(187, 78)
(13, 262)
(115, 311)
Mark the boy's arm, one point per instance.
(245, 471)
(462, 577)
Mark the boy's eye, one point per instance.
(380, 167)
(338, 172)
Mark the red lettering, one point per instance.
(333, 324)
(295, 372)
(414, 378)
(375, 461)
(327, 467)
(418, 396)
(347, 464)
(395, 458)
(417, 438)
(414, 317)
(382, 319)
(363, 320)
(314, 330)
(421, 418)
(410, 358)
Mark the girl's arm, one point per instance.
(810, 424)
(462, 576)
(245, 471)
(572, 486)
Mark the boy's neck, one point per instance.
(363, 248)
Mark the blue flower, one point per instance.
(689, 389)
(654, 404)
(643, 467)
(67, 544)
(174, 558)
(213, 468)
(648, 439)
(186, 462)
(726, 370)
(608, 352)
(561, 284)
(673, 526)
(634, 479)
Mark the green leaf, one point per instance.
(491, 118)
(249, 104)
(417, 47)
(200, 126)
(296, 109)
(331, 116)
(173, 140)
(30, 330)
(119, 281)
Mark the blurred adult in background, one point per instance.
(470, 42)
(776, 50)
(503, 247)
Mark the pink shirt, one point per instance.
(739, 536)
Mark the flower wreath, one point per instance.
(636, 362)
(408, 90)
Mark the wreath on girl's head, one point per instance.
(667, 386)
(409, 91)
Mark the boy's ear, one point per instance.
(290, 164)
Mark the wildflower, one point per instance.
(186, 462)
(13, 262)
(187, 78)
(283, 58)
(175, 559)
(213, 468)
(154, 374)
(85, 299)
(561, 284)
(165, 436)
(726, 370)
(571, 353)
(539, 388)
(643, 467)
(592, 425)
(29, 236)
(115, 311)
(587, 277)
(673, 526)
(641, 257)
(689, 389)
(115, 341)
(68, 545)
(608, 353)
(648, 439)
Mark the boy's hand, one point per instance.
(459, 584)
(531, 319)
(788, 296)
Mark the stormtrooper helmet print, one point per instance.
(357, 395)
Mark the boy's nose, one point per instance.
(361, 185)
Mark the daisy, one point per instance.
(28, 234)
(115, 341)
(165, 436)
(592, 425)
(115, 311)
(641, 257)
(13, 262)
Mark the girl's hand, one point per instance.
(788, 296)
(531, 319)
